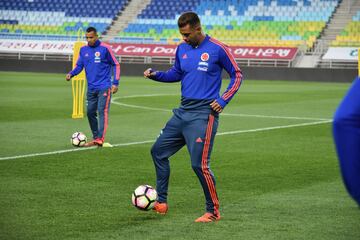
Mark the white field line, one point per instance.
(151, 141)
(275, 117)
(141, 107)
(273, 128)
(71, 150)
(144, 95)
(222, 114)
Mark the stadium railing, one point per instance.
(37, 37)
(146, 59)
(338, 64)
(169, 60)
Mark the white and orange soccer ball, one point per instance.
(144, 197)
(78, 139)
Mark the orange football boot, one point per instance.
(99, 142)
(208, 217)
(95, 142)
(161, 208)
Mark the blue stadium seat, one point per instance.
(42, 13)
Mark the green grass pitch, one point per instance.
(274, 160)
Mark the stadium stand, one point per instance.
(248, 22)
(309, 26)
(350, 36)
(37, 18)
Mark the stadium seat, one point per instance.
(350, 36)
(58, 15)
(270, 22)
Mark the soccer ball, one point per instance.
(78, 139)
(144, 197)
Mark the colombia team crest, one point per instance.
(204, 57)
(97, 57)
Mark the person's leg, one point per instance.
(199, 136)
(167, 144)
(103, 108)
(92, 103)
(346, 130)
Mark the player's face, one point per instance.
(91, 38)
(191, 35)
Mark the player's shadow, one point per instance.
(145, 217)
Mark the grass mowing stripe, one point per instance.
(149, 141)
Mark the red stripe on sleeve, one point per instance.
(117, 75)
(238, 74)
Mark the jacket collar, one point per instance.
(97, 43)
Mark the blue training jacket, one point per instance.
(346, 130)
(199, 70)
(98, 60)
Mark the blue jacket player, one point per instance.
(199, 62)
(346, 129)
(98, 60)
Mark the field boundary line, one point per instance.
(140, 107)
(151, 141)
(71, 150)
(276, 117)
(145, 95)
(222, 114)
(274, 128)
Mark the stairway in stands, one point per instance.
(129, 14)
(338, 21)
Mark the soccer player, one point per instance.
(98, 60)
(346, 129)
(198, 65)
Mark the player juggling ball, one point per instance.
(199, 61)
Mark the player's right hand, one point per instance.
(149, 72)
(216, 106)
(68, 77)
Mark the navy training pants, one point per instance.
(197, 131)
(98, 102)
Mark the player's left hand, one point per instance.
(216, 106)
(114, 89)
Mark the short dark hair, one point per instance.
(91, 29)
(190, 18)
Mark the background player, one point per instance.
(98, 59)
